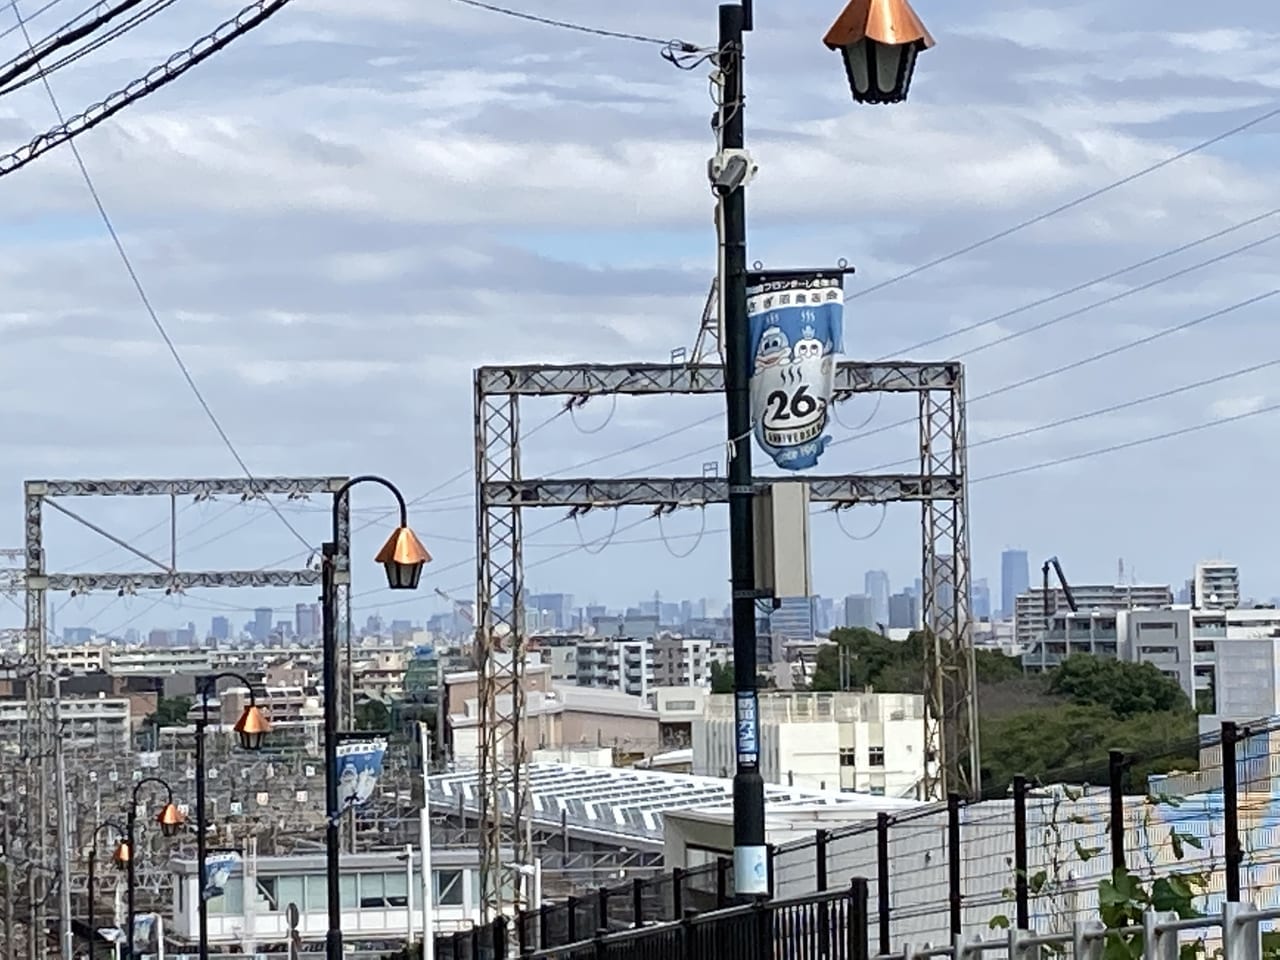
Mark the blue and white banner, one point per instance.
(359, 766)
(797, 331)
(218, 868)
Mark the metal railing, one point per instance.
(1030, 856)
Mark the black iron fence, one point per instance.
(830, 925)
(1029, 854)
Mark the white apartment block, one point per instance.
(850, 742)
(101, 724)
(681, 662)
(617, 664)
(1216, 586)
(1029, 607)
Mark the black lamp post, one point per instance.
(170, 819)
(403, 557)
(879, 41)
(121, 858)
(252, 729)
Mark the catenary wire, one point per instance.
(21, 65)
(1069, 205)
(563, 24)
(143, 297)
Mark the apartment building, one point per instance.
(616, 663)
(850, 742)
(681, 662)
(101, 724)
(1030, 607)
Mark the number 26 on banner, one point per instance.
(797, 404)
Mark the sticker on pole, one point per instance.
(218, 868)
(797, 330)
(748, 724)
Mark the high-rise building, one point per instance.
(859, 611)
(904, 611)
(876, 586)
(220, 628)
(263, 617)
(306, 622)
(1216, 586)
(980, 595)
(1015, 578)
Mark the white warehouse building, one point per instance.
(869, 743)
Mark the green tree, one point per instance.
(721, 677)
(170, 712)
(1126, 689)
(372, 715)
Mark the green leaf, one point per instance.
(998, 922)
(1191, 840)
(1175, 842)
(1038, 881)
(1086, 853)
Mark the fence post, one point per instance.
(500, 938)
(544, 926)
(522, 933)
(1115, 781)
(1021, 898)
(722, 882)
(677, 893)
(1231, 809)
(883, 909)
(688, 941)
(598, 949)
(859, 921)
(477, 948)
(602, 909)
(637, 902)
(571, 905)
(771, 858)
(953, 863)
(820, 860)
(764, 930)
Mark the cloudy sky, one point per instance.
(341, 215)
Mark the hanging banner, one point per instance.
(218, 868)
(796, 326)
(359, 766)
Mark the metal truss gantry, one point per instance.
(502, 493)
(44, 849)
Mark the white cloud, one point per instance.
(340, 216)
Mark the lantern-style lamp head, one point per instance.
(403, 556)
(170, 819)
(252, 728)
(122, 855)
(879, 41)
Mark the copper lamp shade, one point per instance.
(879, 41)
(403, 556)
(252, 728)
(170, 819)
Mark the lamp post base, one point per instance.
(333, 945)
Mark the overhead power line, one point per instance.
(563, 24)
(1069, 205)
(254, 15)
(138, 287)
(37, 52)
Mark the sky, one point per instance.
(345, 212)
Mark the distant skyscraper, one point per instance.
(981, 599)
(876, 586)
(263, 617)
(220, 628)
(904, 611)
(859, 612)
(1015, 578)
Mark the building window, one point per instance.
(449, 888)
(1204, 646)
(875, 756)
(848, 757)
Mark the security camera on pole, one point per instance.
(879, 41)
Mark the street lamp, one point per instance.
(121, 859)
(251, 730)
(403, 556)
(879, 41)
(170, 819)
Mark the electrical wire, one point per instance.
(13, 70)
(1069, 205)
(565, 24)
(250, 17)
(48, 69)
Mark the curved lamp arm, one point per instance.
(93, 840)
(370, 478)
(208, 685)
(156, 780)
